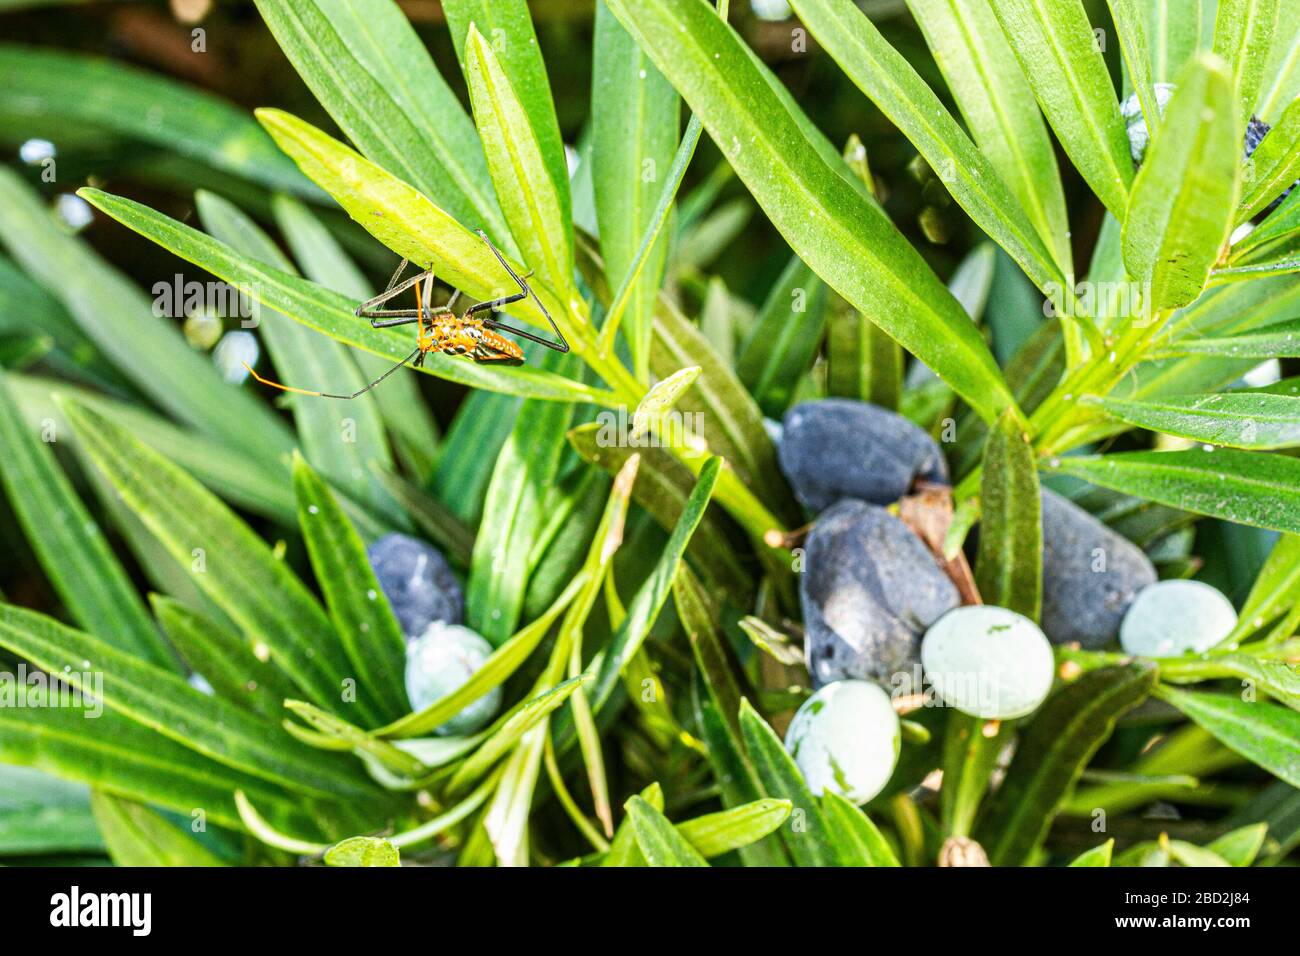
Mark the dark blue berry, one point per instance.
(1091, 575)
(417, 581)
(840, 448)
(869, 590)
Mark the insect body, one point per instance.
(473, 333)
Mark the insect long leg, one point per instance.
(525, 291)
(361, 391)
(391, 317)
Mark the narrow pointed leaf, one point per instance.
(999, 108)
(1237, 421)
(1243, 37)
(362, 618)
(1054, 44)
(70, 546)
(813, 843)
(533, 205)
(826, 220)
(856, 838)
(886, 76)
(1009, 570)
(1266, 734)
(118, 317)
(660, 842)
(1184, 199)
(137, 836)
(1051, 755)
(227, 560)
(167, 704)
(369, 69)
(1245, 487)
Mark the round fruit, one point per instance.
(417, 581)
(868, 591)
(439, 662)
(988, 662)
(837, 448)
(1171, 618)
(845, 738)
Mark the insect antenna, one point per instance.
(361, 391)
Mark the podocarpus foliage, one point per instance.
(630, 710)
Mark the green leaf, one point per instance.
(1265, 734)
(813, 844)
(363, 851)
(224, 660)
(650, 597)
(826, 220)
(509, 729)
(371, 72)
(165, 703)
(340, 440)
(358, 609)
(1275, 165)
(1097, 856)
(1176, 30)
(69, 544)
(1056, 49)
(1274, 340)
(634, 122)
(1282, 75)
(784, 340)
(733, 422)
(1051, 755)
(1009, 570)
(862, 362)
(856, 838)
(322, 260)
(663, 487)
(970, 756)
(254, 484)
(660, 842)
(885, 75)
(43, 814)
(1245, 487)
(717, 833)
(1131, 27)
(137, 836)
(535, 208)
(737, 780)
(999, 108)
(503, 662)
(1238, 421)
(1275, 591)
(319, 308)
(117, 316)
(1240, 847)
(88, 97)
(1243, 36)
(714, 658)
(409, 223)
(623, 849)
(227, 561)
(116, 754)
(508, 26)
(513, 515)
(1184, 199)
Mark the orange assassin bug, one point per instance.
(441, 330)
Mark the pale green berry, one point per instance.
(1171, 618)
(439, 662)
(988, 662)
(845, 738)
